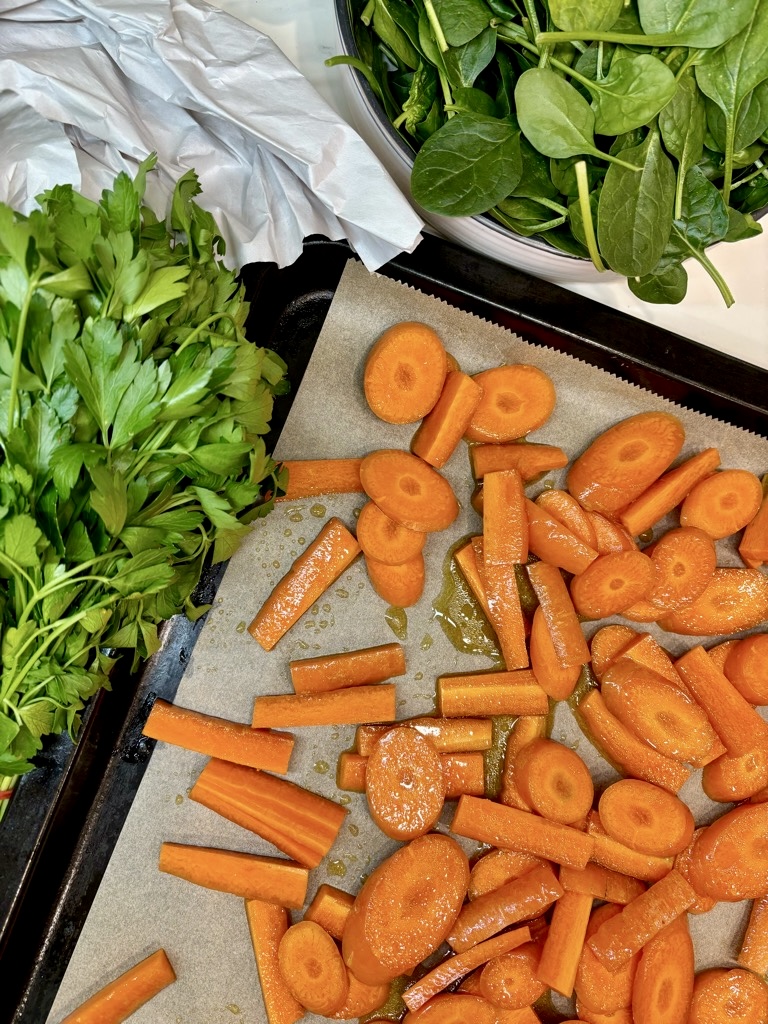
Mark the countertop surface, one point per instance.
(305, 30)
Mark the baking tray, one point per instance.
(65, 818)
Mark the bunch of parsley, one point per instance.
(131, 413)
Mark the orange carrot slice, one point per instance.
(408, 490)
(312, 968)
(217, 737)
(560, 615)
(453, 1008)
(309, 477)
(754, 542)
(505, 609)
(524, 731)
(567, 510)
(385, 540)
(645, 817)
(703, 904)
(511, 980)
(348, 706)
(606, 644)
(443, 427)
(517, 398)
(496, 868)
(613, 854)
(562, 947)
(465, 557)
(554, 781)
(612, 583)
(530, 460)
(491, 693)
(753, 953)
(505, 525)
(122, 997)
(729, 779)
(361, 999)
(598, 988)
(554, 543)
(404, 784)
(330, 908)
(721, 994)
(723, 503)
(362, 667)
(463, 773)
(668, 491)
(746, 666)
(611, 536)
(267, 923)
(399, 585)
(734, 600)
(600, 883)
(316, 568)
(557, 681)
(663, 985)
(729, 860)
(446, 734)
(404, 372)
(685, 560)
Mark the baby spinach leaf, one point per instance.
(392, 35)
(474, 101)
(695, 22)
(461, 20)
(464, 63)
(741, 225)
(581, 15)
(666, 286)
(751, 120)
(682, 123)
(421, 96)
(633, 92)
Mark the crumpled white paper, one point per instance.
(91, 87)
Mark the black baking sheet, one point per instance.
(64, 821)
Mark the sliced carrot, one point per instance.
(404, 784)
(723, 503)
(517, 398)
(312, 968)
(405, 908)
(612, 583)
(443, 427)
(350, 772)
(754, 542)
(643, 611)
(348, 668)
(644, 650)
(384, 540)
(217, 737)
(120, 998)
(617, 940)
(663, 985)
(729, 860)
(554, 543)
(446, 734)
(399, 585)
(464, 773)
(668, 491)
(310, 477)
(625, 460)
(621, 1016)
(753, 953)
(404, 372)
(685, 560)
(524, 730)
(554, 781)
(361, 999)
(511, 980)
(330, 908)
(300, 823)
(734, 720)
(491, 693)
(505, 525)
(517, 900)
(499, 825)
(598, 988)
(267, 923)
(455, 967)
(530, 460)
(453, 1008)
(496, 868)
(243, 874)
(465, 557)
(558, 682)
(606, 644)
(613, 854)
(348, 706)
(565, 508)
(505, 610)
(746, 666)
(729, 778)
(703, 904)
(721, 994)
(611, 536)
(560, 615)
(408, 490)
(316, 568)
(624, 750)
(562, 947)
(734, 600)
(645, 817)
(600, 883)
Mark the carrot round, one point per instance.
(530, 460)
(723, 503)
(525, 729)
(408, 490)
(624, 460)
(361, 667)
(703, 904)
(556, 680)
(746, 666)
(721, 994)
(267, 924)
(729, 860)
(643, 611)
(453, 1008)
(612, 583)
(617, 856)
(730, 779)
(361, 999)
(120, 998)
(443, 427)
(564, 507)
(734, 600)
(553, 542)
(554, 781)
(511, 981)
(685, 560)
(646, 817)
(496, 868)
(517, 398)
(330, 908)
(754, 947)
(399, 585)
(597, 987)
(663, 985)
(605, 645)
(404, 784)
(404, 372)
(668, 491)
(385, 540)
(310, 477)
(753, 547)
(312, 967)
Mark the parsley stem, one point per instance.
(21, 330)
(194, 335)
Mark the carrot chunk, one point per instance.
(120, 998)
(559, 613)
(562, 947)
(384, 540)
(462, 772)
(524, 731)
(348, 706)
(453, 1008)
(505, 609)
(746, 667)
(754, 542)
(729, 778)
(511, 980)
(443, 427)
(663, 985)
(601, 883)
(703, 904)
(597, 987)
(729, 860)
(408, 490)
(612, 583)
(217, 737)
(685, 560)
(312, 968)
(554, 781)
(491, 693)
(530, 460)
(645, 817)
(668, 491)
(616, 855)
(567, 510)
(316, 568)
(552, 541)
(557, 681)
(517, 398)
(361, 999)
(330, 908)
(723, 503)
(754, 947)
(267, 923)
(310, 477)
(611, 536)
(606, 644)
(399, 585)
(465, 557)
(362, 667)
(505, 526)
(720, 994)
(446, 734)
(404, 372)
(404, 784)
(734, 600)
(496, 868)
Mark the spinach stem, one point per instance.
(761, 170)
(716, 276)
(437, 28)
(599, 68)
(605, 37)
(533, 18)
(582, 183)
(366, 15)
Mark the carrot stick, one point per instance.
(745, 667)
(439, 433)
(384, 540)
(515, 901)
(601, 883)
(719, 655)
(720, 994)
(300, 823)
(496, 868)
(558, 682)
(120, 998)
(567, 510)
(217, 737)
(645, 817)
(703, 904)
(505, 610)
(723, 503)
(753, 953)
(611, 536)
(349, 668)
(526, 729)
(466, 559)
(310, 477)
(517, 398)
(408, 490)
(729, 778)
(404, 784)
(623, 749)
(613, 854)
(559, 613)
(617, 940)
(685, 560)
(511, 980)
(644, 650)
(530, 460)
(267, 923)
(625, 460)
(404, 372)
(734, 600)
(600, 990)
(457, 966)
(553, 542)
(754, 542)
(448, 735)
(505, 526)
(663, 985)
(243, 874)
(399, 585)
(348, 706)
(350, 772)
(621, 1016)
(330, 908)
(562, 947)
(612, 584)
(606, 645)
(316, 568)
(668, 491)
(491, 693)
(499, 825)
(463, 773)
(554, 781)
(312, 968)
(734, 720)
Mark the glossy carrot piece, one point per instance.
(663, 985)
(703, 904)
(612, 584)
(312, 968)
(399, 585)
(404, 784)
(122, 997)
(448, 735)
(611, 535)
(723, 503)
(466, 559)
(404, 372)
(557, 681)
(562, 947)
(647, 818)
(552, 541)
(753, 953)
(560, 615)
(722, 994)
(496, 868)
(349, 668)
(505, 525)
(506, 612)
(517, 398)
(267, 923)
(613, 854)
(463, 773)
(567, 510)
(530, 460)
(526, 729)
(668, 492)
(441, 430)
(554, 781)
(607, 643)
(734, 600)
(601, 883)
(308, 478)
(753, 547)
(349, 706)
(491, 693)
(603, 991)
(408, 490)
(384, 540)
(745, 666)
(330, 909)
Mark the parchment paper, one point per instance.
(138, 909)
